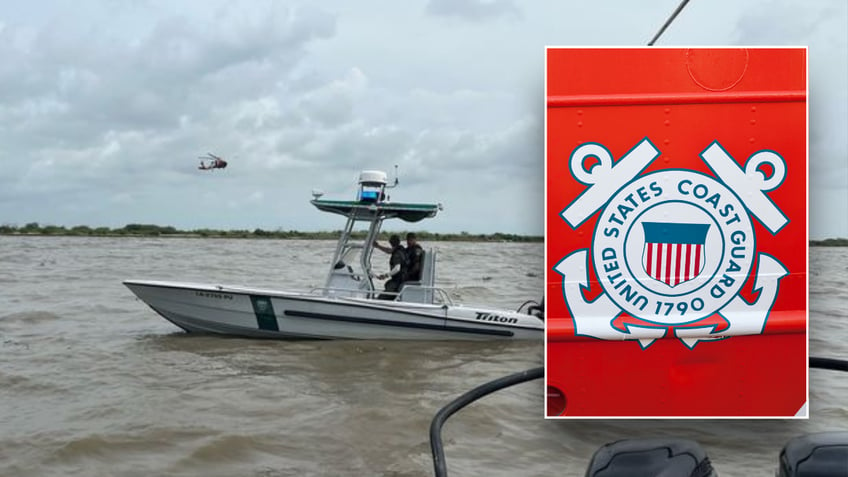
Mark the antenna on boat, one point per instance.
(396, 179)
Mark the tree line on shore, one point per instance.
(831, 242)
(150, 230)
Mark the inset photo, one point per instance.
(677, 232)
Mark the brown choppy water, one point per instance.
(94, 383)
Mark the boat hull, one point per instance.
(258, 313)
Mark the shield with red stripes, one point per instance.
(674, 252)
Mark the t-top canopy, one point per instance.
(386, 210)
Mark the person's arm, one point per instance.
(394, 271)
(382, 247)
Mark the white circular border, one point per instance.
(669, 181)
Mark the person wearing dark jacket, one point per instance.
(415, 257)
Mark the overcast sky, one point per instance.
(105, 106)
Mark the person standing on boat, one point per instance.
(397, 267)
(414, 257)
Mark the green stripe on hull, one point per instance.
(264, 310)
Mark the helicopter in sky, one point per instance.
(215, 162)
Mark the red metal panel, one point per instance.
(667, 135)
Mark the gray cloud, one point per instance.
(782, 22)
(177, 68)
(474, 10)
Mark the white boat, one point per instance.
(349, 306)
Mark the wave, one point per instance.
(230, 447)
(30, 317)
(102, 446)
(18, 384)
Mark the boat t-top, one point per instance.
(349, 305)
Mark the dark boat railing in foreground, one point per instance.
(822, 454)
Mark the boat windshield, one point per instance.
(350, 257)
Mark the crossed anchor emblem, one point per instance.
(672, 248)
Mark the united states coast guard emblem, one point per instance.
(672, 248)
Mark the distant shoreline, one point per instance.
(148, 230)
(831, 242)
